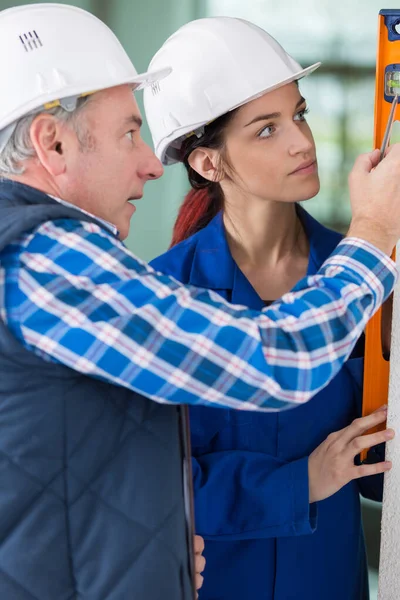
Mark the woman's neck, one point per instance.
(264, 232)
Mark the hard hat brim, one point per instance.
(168, 154)
(145, 79)
(137, 82)
(294, 77)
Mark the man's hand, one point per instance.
(375, 198)
(199, 560)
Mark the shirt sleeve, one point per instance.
(243, 495)
(76, 296)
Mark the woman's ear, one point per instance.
(48, 139)
(206, 162)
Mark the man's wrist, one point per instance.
(372, 233)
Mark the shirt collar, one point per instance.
(213, 266)
(106, 224)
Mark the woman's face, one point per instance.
(271, 150)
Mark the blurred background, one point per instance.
(340, 94)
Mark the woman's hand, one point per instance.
(331, 465)
(199, 560)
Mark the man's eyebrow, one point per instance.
(134, 120)
(273, 115)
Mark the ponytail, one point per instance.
(197, 210)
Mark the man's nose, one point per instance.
(151, 166)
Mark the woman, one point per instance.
(233, 114)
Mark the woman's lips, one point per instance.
(305, 168)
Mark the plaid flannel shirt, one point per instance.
(71, 292)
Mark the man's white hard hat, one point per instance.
(54, 53)
(218, 64)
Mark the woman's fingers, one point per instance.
(364, 442)
(360, 426)
(199, 581)
(367, 470)
(331, 464)
(198, 544)
(200, 561)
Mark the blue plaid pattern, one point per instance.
(73, 294)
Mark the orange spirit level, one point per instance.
(387, 88)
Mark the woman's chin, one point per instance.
(310, 191)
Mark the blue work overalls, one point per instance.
(263, 540)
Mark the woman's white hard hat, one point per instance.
(218, 64)
(56, 52)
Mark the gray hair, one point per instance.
(19, 147)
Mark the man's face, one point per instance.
(112, 163)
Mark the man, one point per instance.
(91, 502)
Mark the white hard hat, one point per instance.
(218, 64)
(55, 52)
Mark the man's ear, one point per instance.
(205, 161)
(48, 137)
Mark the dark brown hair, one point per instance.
(206, 198)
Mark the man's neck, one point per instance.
(48, 187)
(37, 181)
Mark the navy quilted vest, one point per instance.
(91, 485)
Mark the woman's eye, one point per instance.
(266, 132)
(301, 115)
(129, 134)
